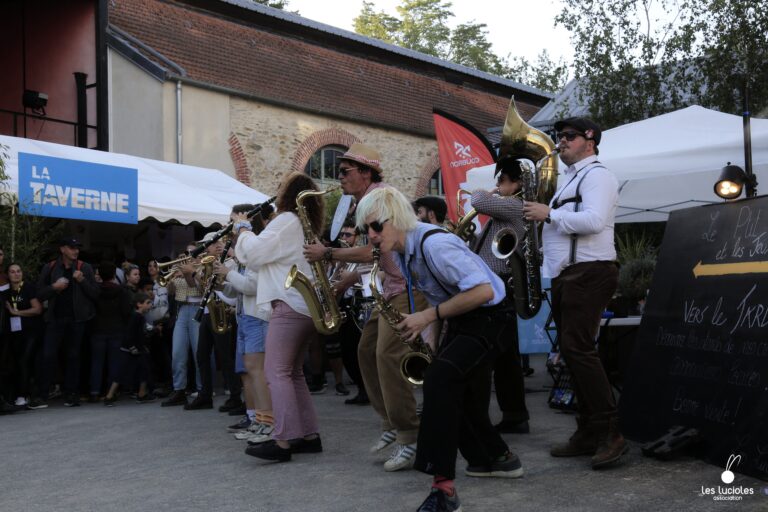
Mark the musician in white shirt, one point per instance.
(580, 257)
(291, 329)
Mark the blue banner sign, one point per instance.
(72, 189)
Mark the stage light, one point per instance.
(731, 182)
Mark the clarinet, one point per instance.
(228, 228)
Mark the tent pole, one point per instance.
(751, 184)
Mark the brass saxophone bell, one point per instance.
(413, 367)
(504, 243)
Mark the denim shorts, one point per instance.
(251, 334)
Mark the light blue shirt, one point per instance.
(457, 268)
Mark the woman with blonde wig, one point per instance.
(463, 291)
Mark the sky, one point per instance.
(515, 27)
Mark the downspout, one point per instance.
(179, 134)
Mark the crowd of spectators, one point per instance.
(99, 333)
(81, 331)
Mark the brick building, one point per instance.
(263, 90)
(231, 85)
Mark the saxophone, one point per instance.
(519, 140)
(318, 295)
(217, 308)
(414, 364)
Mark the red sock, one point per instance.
(444, 484)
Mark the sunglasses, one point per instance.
(343, 171)
(344, 234)
(570, 136)
(377, 226)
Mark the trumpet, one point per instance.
(465, 225)
(167, 269)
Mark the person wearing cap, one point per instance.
(431, 209)
(70, 287)
(580, 257)
(505, 210)
(380, 349)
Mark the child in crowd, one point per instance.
(136, 353)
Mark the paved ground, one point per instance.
(148, 458)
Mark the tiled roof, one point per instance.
(279, 60)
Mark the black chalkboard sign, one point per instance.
(701, 355)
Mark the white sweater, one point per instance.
(247, 286)
(271, 254)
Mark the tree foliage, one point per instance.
(544, 73)
(422, 25)
(277, 4)
(642, 58)
(24, 238)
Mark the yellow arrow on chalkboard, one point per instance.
(724, 269)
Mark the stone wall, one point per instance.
(276, 140)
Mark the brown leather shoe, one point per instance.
(611, 448)
(583, 442)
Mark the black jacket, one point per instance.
(84, 294)
(113, 310)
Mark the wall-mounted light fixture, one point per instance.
(36, 101)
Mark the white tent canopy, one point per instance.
(670, 161)
(673, 160)
(166, 191)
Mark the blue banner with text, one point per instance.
(72, 189)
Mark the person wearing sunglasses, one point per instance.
(380, 349)
(580, 257)
(506, 213)
(462, 290)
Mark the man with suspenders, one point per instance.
(580, 257)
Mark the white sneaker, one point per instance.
(402, 458)
(387, 438)
(254, 428)
(264, 435)
(21, 401)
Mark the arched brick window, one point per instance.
(430, 181)
(324, 164)
(333, 139)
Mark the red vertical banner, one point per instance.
(460, 148)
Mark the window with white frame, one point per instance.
(324, 164)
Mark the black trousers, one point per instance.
(579, 296)
(349, 336)
(73, 334)
(509, 381)
(24, 346)
(207, 342)
(457, 394)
